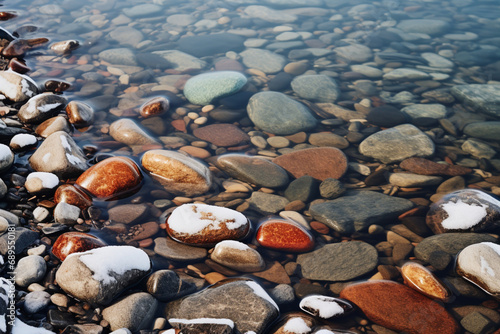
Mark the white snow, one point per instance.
(462, 215)
(5, 152)
(48, 107)
(485, 267)
(65, 143)
(73, 159)
(227, 322)
(232, 244)
(117, 259)
(324, 331)
(259, 291)
(22, 328)
(124, 331)
(24, 84)
(46, 157)
(49, 180)
(8, 88)
(296, 325)
(495, 247)
(326, 307)
(23, 139)
(193, 218)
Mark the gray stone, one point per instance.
(65, 213)
(317, 88)
(413, 180)
(264, 60)
(166, 285)
(403, 74)
(142, 10)
(181, 61)
(128, 213)
(30, 269)
(41, 107)
(282, 294)
(482, 98)
(6, 157)
(331, 188)
(478, 149)
(368, 71)
(356, 53)
(483, 130)
(304, 188)
(435, 60)
(356, 210)
(205, 88)
(424, 26)
(181, 20)
(339, 262)
(36, 301)
(176, 251)
(279, 114)
(435, 110)
(119, 56)
(134, 312)
(3, 188)
(477, 323)
(243, 301)
(267, 203)
(210, 45)
(22, 240)
(127, 36)
(269, 15)
(397, 143)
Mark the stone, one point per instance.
(177, 173)
(119, 56)
(6, 157)
(356, 210)
(320, 163)
(267, 203)
(210, 44)
(424, 166)
(400, 308)
(397, 143)
(466, 210)
(476, 322)
(128, 132)
(480, 264)
(343, 261)
(274, 272)
(424, 281)
(175, 251)
(180, 61)
(432, 110)
(263, 60)
(304, 189)
(205, 88)
(97, 276)
(68, 193)
(483, 130)
(17, 87)
(52, 125)
(449, 243)
(480, 97)
(203, 325)
(410, 180)
(284, 235)
(134, 312)
(316, 88)
(22, 141)
(206, 225)
(282, 294)
(65, 47)
(356, 53)
(222, 135)
(331, 188)
(39, 182)
(243, 301)
(255, 170)
(30, 269)
(478, 149)
(295, 323)
(155, 107)
(238, 256)
(424, 26)
(328, 139)
(111, 178)
(60, 155)
(142, 10)
(75, 242)
(66, 214)
(23, 238)
(326, 307)
(269, 15)
(36, 301)
(80, 114)
(129, 213)
(435, 60)
(126, 36)
(166, 285)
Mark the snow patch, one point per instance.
(22, 328)
(324, 331)
(233, 244)
(462, 215)
(485, 267)
(65, 143)
(8, 88)
(113, 259)
(259, 291)
(5, 152)
(23, 139)
(74, 160)
(326, 307)
(49, 180)
(46, 157)
(297, 325)
(227, 322)
(48, 107)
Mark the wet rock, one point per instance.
(134, 312)
(211, 44)
(36, 301)
(422, 280)
(30, 269)
(66, 214)
(284, 235)
(6, 157)
(75, 242)
(326, 307)
(331, 188)
(424, 26)
(264, 60)
(223, 135)
(128, 213)
(483, 130)
(155, 107)
(405, 74)
(478, 149)
(65, 47)
(203, 325)
(481, 97)
(17, 87)
(435, 111)
(356, 53)
(338, 262)
(267, 203)
(165, 285)
(119, 56)
(304, 189)
(175, 251)
(269, 15)
(424, 166)
(295, 323)
(23, 238)
(80, 114)
(127, 36)
(206, 225)
(52, 125)
(238, 256)
(316, 88)
(328, 139)
(205, 88)
(41, 107)
(68, 193)
(413, 180)
(178, 173)
(111, 178)
(22, 141)
(128, 132)
(142, 10)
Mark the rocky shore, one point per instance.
(240, 166)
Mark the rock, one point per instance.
(203, 325)
(111, 178)
(435, 60)
(66, 214)
(422, 280)
(223, 135)
(331, 188)
(65, 47)
(356, 53)
(428, 167)
(175, 251)
(129, 213)
(68, 193)
(119, 56)
(449, 243)
(284, 235)
(75, 242)
(238, 256)
(22, 141)
(338, 262)
(204, 88)
(269, 15)
(97, 276)
(328, 139)
(17, 87)
(320, 163)
(282, 294)
(52, 125)
(316, 88)
(400, 308)
(242, 301)
(480, 97)
(483, 130)
(126, 36)
(23, 238)
(178, 173)
(478, 149)
(476, 322)
(326, 307)
(210, 44)
(295, 323)
(253, 170)
(80, 114)
(41, 107)
(36, 301)
(410, 180)
(128, 132)
(267, 203)
(30, 269)
(424, 26)
(397, 143)
(142, 10)
(177, 60)
(466, 210)
(356, 210)
(263, 60)
(60, 155)
(134, 312)
(367, 71)
(405, 74)
(6, 157)
(436, 111)
(165, 285)
(206, 225)
(155, 107)
(304, 189)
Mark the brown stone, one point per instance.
(68, 193)
(111, 178)
(79, 114)
(74, 242)
(223, 135)
(320, 163)
(275, 273)
(52, 125)
(400, 308)
(424, 166)
(419, 278)
(155, 107)
(196, 152)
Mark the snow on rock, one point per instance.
(22, 140)
(41, 107)
(22, 328)
(17, 87)
(40, 181)
(324, 307)
(6, 157)
(297, 325)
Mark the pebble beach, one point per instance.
(249, 167)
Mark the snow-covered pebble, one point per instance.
(297, 325)
(41, 181)
(22, 140)
(325, 307)
(41, 107)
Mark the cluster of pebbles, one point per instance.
(243, 166)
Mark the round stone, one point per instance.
(205, 88)
(238, 256)
(284, 235)
(74, 242)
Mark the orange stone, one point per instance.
(155, 107)
(417, 277)
(68, 193)
(398, 307)
(74, 242)
(111, 178)
(284, 235)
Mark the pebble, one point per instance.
(68, 193)
(238, 256)
(267, 203)
(424, 166)
(79, 114)
(134, 312)
(175, 251)
(410, 180)
(30, 269)
(483, 130)
(263, 60)
(270, 15)
(356, 53)
(317, 88)
(166, 285)
(326, 307)
(52, 125)
(36, 301)
(75, 242)
(222, 135)
(6, 157)
(331, 188)
(204, 88)
(22, 141)
(284, 235)
(155, 107)
(17, 87)
(128, 132)
(424, 281)
(304, 189)
(436, 111)
(66, 214)
(328, 139)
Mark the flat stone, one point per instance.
(436, 111)
(74, 242)
(304, 188)
(267, 203)
(205, 88)
(264, 60)
(238, 256)
(316, 88)
(406, 74)
(126, 36)
(424, 166)
(424, 26)
(356, 53)
(119, 56)
(356, 210)
(142, 10)
(483, 130)
(328, 139)
(411, 180)
(418, 277)
(175, 251)
(134, 312)
(211, 44)
(181, 61)
(435, 60)
(128, 213)
(481, 97)
(130, 133)
(269, 15)
(223, 135)
(284, 235)
(338, 262)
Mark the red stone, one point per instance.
(68, 193)
(428, 167)
(111, 178)
(74, 242)
(179, 125)
(320, 163)
(284, 235)
(398, 307)
(223, 135)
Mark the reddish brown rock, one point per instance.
(79, 114)
(400, 308)
(422, 280)
(284, 235)
(223, 135)
(68, 193)
(320, 163)
(74, 242)
(424, 166)
(111, 178)
(52, 125)
(155, 107)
